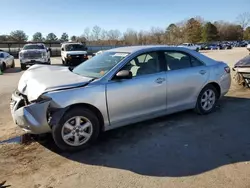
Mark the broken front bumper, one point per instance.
(32, 117)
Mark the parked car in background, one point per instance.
(6, 61)
(32, 54)
(190, 46)
(226, 46)
(73, 53)
(118, 87)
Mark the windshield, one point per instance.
(35, 46)
(75, 47)
(99, 65)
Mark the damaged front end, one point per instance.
(242, 72)
(31, 117)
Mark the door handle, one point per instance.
(159, 80)
(203, 72)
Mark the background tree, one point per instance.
(209, 32)
(87, 34)
(244, 19)
(247, 33)
(96, 32)
(64, 37)
(18, 36)
(73, 38)
(130, 37)
(51, 37)
(193, 30)
(37, 37)
(4, 38)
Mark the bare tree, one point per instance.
(86, 33)
(103, 35)
(244, 19)
(130, 37)
(96, 32)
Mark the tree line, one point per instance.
(193, 30)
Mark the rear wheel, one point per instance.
(77, 129)
(207, 100)
(23, 66)
(3, 67)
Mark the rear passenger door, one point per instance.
(186, 75)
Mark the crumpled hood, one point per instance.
(42, 78)
(76, 52)
(245, 62)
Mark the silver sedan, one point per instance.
(116, 88)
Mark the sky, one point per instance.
(73, 16)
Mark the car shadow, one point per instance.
(13, 70)
(182, 144)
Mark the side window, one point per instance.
(1, 55)
(144, 64)
(179, 60)
(195, 62)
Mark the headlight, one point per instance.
(20, 55)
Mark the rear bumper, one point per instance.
(31, 118)
(225, 83)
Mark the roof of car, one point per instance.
(132, 49)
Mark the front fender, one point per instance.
(93, 95)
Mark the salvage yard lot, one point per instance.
(179, 150)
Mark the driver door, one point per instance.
(140, 98)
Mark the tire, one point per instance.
(87, 118)
(63, 62)
(3, 67)
(23, 67)
(199, 108)
(13, 64)
(49, 62)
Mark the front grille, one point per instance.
(32, 55)
(77, 57)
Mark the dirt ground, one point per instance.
(179, 150)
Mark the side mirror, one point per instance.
(123, 74)
(62, 49)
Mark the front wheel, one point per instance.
(23, 66)
(77, 129)
(206, 101)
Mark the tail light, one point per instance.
(227, 69)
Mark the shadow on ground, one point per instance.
(13, 70)
(181, 144)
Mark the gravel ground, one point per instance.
(179, 150)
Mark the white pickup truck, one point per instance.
(190, 46)
(32, 54)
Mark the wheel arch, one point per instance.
(92, 108)
(216, 86)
